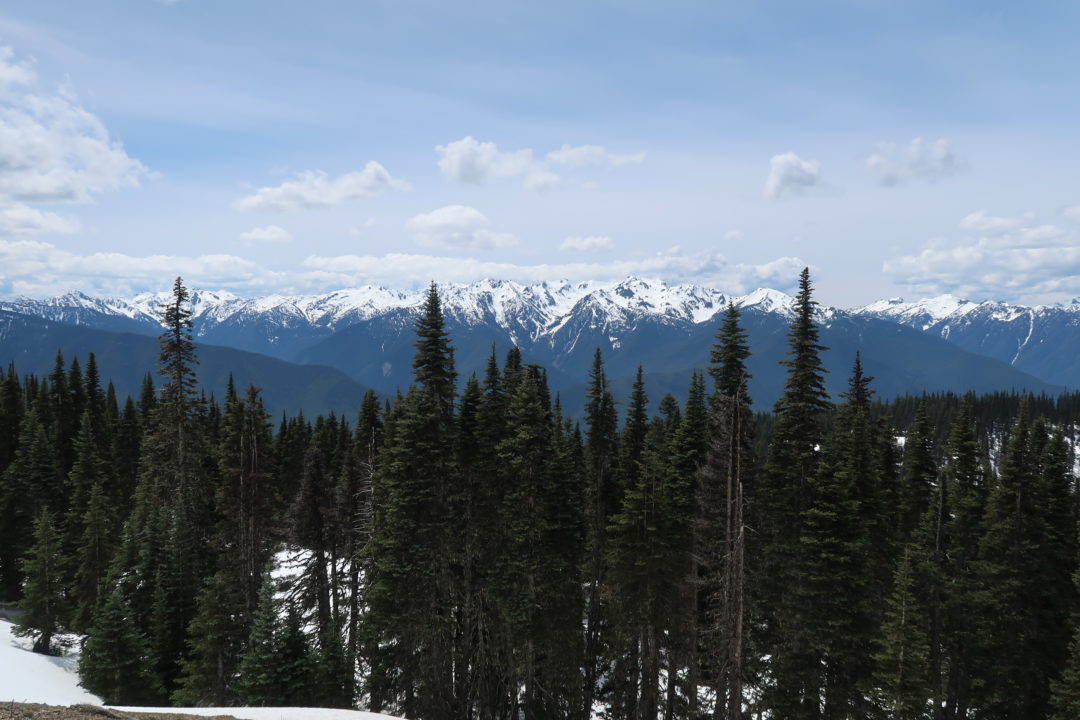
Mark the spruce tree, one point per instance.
(414, 543)
(904, 649)
(782, 499)
(44, 603)
(116, 663)
(603, 501)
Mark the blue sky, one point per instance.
(898, 148)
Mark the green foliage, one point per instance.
(44, 601)
(116, 662)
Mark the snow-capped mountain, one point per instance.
(1043, 340)
(367, 332)
(527, 313)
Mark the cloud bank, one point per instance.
(315, 189)
(1003, 258)
(37, 268)
(52, 150)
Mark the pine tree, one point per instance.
(215, 638)
(720, 526)
(25, 488)
(603, 501)
(1013, 680)
(93, 556)
(904, 650)
(44, 602)
(782, 499)
(964, 481)
(258, 684)
(116, 662)
(412, 595)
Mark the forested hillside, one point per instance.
(473, 548)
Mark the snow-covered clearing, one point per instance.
(27, 677)
(32, 678)
(260, 713)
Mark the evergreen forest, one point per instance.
(470, 549)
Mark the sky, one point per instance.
(897, 149)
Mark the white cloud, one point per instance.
(36, 268)
(980, 222)
(1000, 258)
(587, 243)
(791, 175)
(19, 219)
(52, 150)
(540, 180)
(33, 267)
(709, 268)
(918, 160)
(457, 226)
(13, 72)
(315, 189)
(1072, 213)
(267, 234)
(591, 155)
(470, 161)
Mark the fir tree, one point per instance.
(782, 500)
(904, 649)
(44, 601)
(115, 662)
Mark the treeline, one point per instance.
(477, 553)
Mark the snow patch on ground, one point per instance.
(28, 677)
(267, 713)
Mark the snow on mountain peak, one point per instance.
(924, 312)
(767, 300)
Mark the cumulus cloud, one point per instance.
(18, 219)
(316, 189)
(33, 267)
(894, 164)
(791, 175)
(268, 234)
(587, 243)
(458, 227)
(591, 155)
(998, 258)
(36, 268)
(470, 161)
(52, 150)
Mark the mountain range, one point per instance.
(345, 341)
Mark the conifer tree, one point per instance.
(720, 527)
(413, 544)
(782, 499)
(215, 638)
(1012, 662)
(904, 649)
(93, 556)
(603, 500)
(116, 662)
(44, 601)
(258, 684)
(26, 487)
